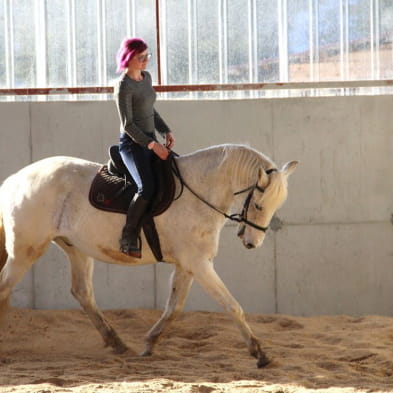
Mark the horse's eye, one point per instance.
(258, 207)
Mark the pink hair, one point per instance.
(128, 49)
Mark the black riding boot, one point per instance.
(129, 243)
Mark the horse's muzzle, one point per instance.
(240, 234)
(248, 245)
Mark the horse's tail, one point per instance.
(3, 260)
(3, 251)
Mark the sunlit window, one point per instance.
(69, 43)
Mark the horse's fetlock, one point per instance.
(254, 352)
(254, 347)
(114, 341)
(120, 348)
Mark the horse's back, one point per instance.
(58, 169)
(35, 196)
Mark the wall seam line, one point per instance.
(34, 299)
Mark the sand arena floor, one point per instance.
(59, 351)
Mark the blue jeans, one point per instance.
(139, 162)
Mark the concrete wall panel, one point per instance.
(333, 253)
(376, 140)
(346, 151)
(335, 269)
(15, 145)
(80, 129)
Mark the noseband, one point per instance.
(238, 217)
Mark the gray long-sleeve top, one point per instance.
(135, 104)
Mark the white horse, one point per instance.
(48, 201)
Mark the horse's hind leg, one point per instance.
(181, 282)
(207, 277)
(82, 289)
(21, 258)
(12, 272)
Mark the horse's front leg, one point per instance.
(209, 280)
(180, 285)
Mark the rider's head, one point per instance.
(128, 49)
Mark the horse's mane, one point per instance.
(248, 156)
(239, 163)
(241, 152)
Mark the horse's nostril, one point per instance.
(249, 245)
(241, 231)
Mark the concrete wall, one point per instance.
(334, 252)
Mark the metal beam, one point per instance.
(205, 87)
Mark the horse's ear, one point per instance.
(289, 167)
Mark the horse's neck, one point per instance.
(206, 174)
(216, 173)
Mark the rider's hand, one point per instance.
(160, 150)
(169, 140)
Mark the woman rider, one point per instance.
(135, 97)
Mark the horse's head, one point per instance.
(263, 201)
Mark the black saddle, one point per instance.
(113, 188)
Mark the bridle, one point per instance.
(242, 217)
(237, 217)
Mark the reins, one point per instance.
(237, 217)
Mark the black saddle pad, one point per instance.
(112, 193)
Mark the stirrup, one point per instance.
(132, 251)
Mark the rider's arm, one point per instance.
(160, 124)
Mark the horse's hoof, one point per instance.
(146, 353)
(263, 361)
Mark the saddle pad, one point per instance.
(111, 193)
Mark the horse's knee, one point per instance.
(81, 288)
(84, 296)
(236, 310)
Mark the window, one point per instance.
(72, 43)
